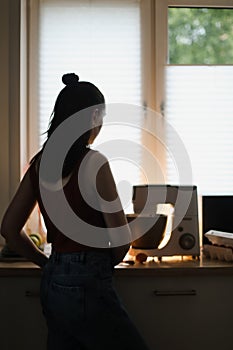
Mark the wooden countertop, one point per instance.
(168, 267)
(176, 266)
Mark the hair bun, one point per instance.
(70, 79)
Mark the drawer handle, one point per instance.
(168, 293)
(30, 294)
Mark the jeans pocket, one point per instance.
(66, 303)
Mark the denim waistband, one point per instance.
(82, 256)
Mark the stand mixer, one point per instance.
(165, 221)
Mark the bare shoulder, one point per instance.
(96, 157)
(96, 165)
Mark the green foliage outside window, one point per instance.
(200, 36)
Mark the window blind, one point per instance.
(100, 41)
(199, 105)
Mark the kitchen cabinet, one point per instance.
(174, 306)
(181, 312)
(22, 324)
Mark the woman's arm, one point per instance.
(14, 220)
(106, 188)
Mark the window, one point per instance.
(100, 41)
(192, 91)
(200, 36)
(198, 94)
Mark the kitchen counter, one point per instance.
(174, 266)
(191, 300)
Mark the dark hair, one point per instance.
(74, 97)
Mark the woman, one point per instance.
(80, 305)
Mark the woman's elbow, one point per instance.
(3, 230)
(6, 228)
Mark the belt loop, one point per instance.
(82, 257)
(56, 257)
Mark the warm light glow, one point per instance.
(168, 210)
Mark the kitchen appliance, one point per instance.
(149, 231)
(179, 233)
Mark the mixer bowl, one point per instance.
(147, 231)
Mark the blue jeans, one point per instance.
(81, 307)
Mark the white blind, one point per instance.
(100, 41)
(199, 104)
